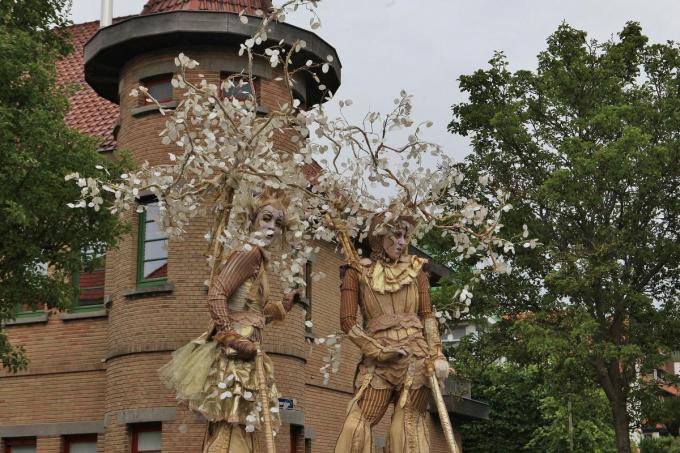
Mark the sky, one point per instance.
(423, 46)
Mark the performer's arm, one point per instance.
(277, 310)
(425, 306)
(431, 326)
(239, 267)
(349, 298)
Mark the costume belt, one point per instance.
(392, 320)
(247, 318)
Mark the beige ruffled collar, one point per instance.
(390, 277)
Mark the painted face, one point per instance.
(395, 241)
(268, 224)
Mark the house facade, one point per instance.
(92, 382)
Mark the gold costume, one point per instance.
(398, 338)
(211, 374)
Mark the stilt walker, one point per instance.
(224, 374)
(399, 341)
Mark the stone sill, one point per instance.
(146, 290)
(151, 108)
(68, 316)
(37, 319)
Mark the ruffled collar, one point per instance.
(389, 278)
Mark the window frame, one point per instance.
(137, 428)
(39, 309)
(19, 314)
(157, 79)
(141, 241)
(20, 442)
(78, 438)
(77, 308)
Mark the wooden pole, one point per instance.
(444, 419)
(264, 400)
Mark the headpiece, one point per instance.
(379, 228)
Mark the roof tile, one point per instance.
(232, 6)
(89, 113)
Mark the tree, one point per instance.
(527, 415)
(588, 147)
(37, 149)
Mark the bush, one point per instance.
(658, 445)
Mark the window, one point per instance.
(86, 443)
(152, 249)
(28, 311)
(240, 89)
(90, 286)
(146, 438)
(22, 445)
(296, 438)
(160, 88)
(308, 295)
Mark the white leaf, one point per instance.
(225, 395)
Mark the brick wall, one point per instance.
(105, 369)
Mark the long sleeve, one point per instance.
(277, 310)
(425, 306)
(349, 299)
(431, 327)
(239, 267)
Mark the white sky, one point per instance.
(423, 46)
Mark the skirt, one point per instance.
(222, 387)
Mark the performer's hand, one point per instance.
(391, 354)
(290, 299)
(441, 368)
(245, 349)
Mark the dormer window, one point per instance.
(240, 87)
(160, 88)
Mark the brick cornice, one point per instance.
(271, 349)
(51, 369)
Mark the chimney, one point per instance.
(107, 13)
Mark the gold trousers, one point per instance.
(408, 431)
(223, 437)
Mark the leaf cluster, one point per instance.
(37, 149)
(587, 145)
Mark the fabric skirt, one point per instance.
(222, 387)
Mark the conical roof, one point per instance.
(229, 6)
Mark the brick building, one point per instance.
(92, 382)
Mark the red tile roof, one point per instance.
(230, 6)
(90, 114)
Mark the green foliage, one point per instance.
(592, 430)
(37, 150)
(588, 147)
(510, 392)
(660, 445)
(665, 411)
(529, 408)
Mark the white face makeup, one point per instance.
(395, 242)
(268, 224)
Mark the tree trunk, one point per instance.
(621, 423)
